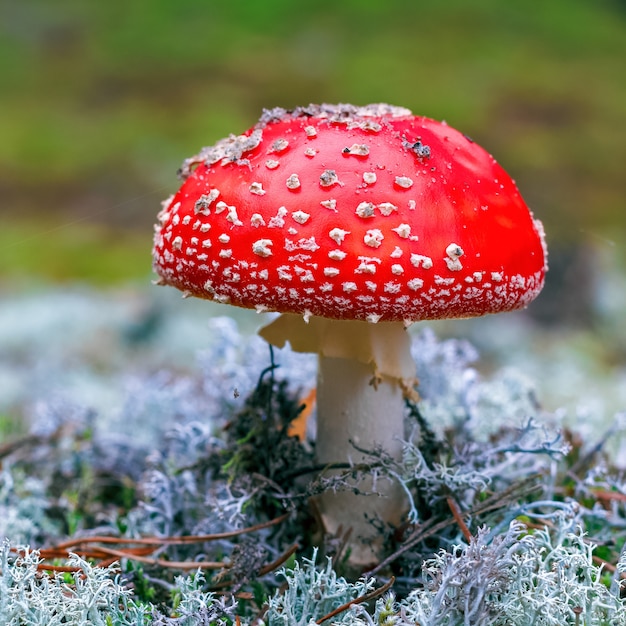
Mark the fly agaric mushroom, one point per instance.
(353, 222)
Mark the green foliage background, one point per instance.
(101, 101)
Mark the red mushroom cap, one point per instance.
(351, 212)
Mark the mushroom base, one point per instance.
(356, 409)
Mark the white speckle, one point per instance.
(204, 202)
(300, 216)
(415, 283)
(205, 228)
(365, 209)
(310, 131)
(165, 204)
(365, 268)
(260, 308)
(326, 287)
(338, 235)
(280, 145)
(518, 281)
(397, 253)
(256, 220)
(224, 238)
(357, 149)
(226, 254)
(177, 243)
(292, 231)
(392, 287)
(293, 182)
(404, 230)
(370, 259)
(440, 280)
(206, 243)
(297, 258)
(232, 216)
(307, 315)
(328, 178)
(306, 276)
(337, 255)
(373, 238)
(330, 204)
(412, 205)
(272, 164)
(186, 220)
(397, 269)
(310, 152)
(284, 273)
(454, 252)
(331, 271)
(257, 189)
(220, 207)
(404, 181)
(349, 287)
(264, 274)
(230, 276)
(366, 124)
(419, 260)
(176, 220)
(208, 286)
(373, 318)
(190, 251)
(262, 247)
(223, 298)
(194, 241)
(478, 276)
(202, 257)
(302, 244)
(371, 285)
(496, 277)
(369, 178)
(278, 221)
(386, 208)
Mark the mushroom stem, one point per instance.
(356, 409)
(365, 370)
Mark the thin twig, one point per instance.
(8, 448)
(158, 541)
(270, 567)
(364, 598)
(456, 512)
(184, 565)
(266, 569)
(431, 527)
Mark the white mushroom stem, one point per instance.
(352, 411)
(364, 372)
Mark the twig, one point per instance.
(364, 598)
(454, 507)
(266, 569)
(184, 565)
(8, 448)
(158, 541)
(270, 567)
(431, 527)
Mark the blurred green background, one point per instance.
(101, 101)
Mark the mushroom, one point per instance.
(353, 222)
